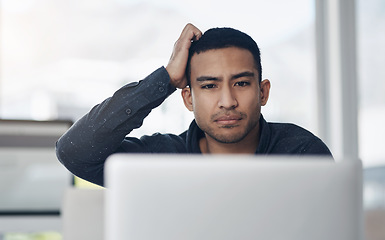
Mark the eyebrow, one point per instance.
(243, 74)
(207, 78)
(235, 76)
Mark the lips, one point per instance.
(228, 119)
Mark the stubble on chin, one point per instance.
(233, 137)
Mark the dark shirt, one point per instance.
(103, 131)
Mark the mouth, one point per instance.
(228, 120)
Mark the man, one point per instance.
(220, 76)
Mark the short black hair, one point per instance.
(217, 38)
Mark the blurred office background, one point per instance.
(60, 58)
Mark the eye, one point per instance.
(242, 84)
(208, 86)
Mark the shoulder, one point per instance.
(288, 130)
(156, 143)
(293, 139)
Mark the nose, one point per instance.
(227, 99)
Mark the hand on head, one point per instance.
(176, 67)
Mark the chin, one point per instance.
(229, 139)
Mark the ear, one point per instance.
(187, 98)
(265, 91)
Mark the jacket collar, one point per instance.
(264, 136)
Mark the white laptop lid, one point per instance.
(232, 197)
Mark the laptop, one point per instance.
(232, 197)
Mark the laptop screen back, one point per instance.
(232, 197)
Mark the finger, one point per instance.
(197, 35)
(191, 33)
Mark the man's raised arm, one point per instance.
(84, 148)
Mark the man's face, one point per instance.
(225, 94)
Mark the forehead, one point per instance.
(222, 61)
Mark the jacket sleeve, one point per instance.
(84, 148)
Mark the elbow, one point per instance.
(66, 153)
(60, 152)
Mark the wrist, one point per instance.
(177, 82)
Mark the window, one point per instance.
(59, 58)
(371, 52)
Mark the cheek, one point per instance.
(248, 97)
(202, 105)
(197, 99)
(250, 101)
